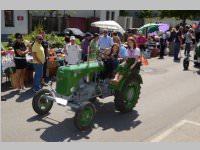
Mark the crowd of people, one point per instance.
(109, 48)
(37, 49)
(113, 50)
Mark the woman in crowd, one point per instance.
(93, 47)
(131, 61)
(122, 49)
(141, 40)
(20, 60)
(111, 60)
(172, 38)
(163, 44)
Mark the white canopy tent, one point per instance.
(109, 25)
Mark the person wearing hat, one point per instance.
(20, 60)
(73, 52)
(64, 50)
(38, 61)
(45, 45)
(85, 44)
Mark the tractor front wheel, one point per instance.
(126, 99)
(84, 116)
(40, 104)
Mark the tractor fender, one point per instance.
(132, 78)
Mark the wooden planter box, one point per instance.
(155, 52)
(52, 68)
(13, 80)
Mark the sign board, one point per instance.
(20, 18)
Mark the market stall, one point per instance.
(8, 66)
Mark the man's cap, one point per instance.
(88, 34)
(190, 29)
(18, 36)
(39, 36)
(72, 38)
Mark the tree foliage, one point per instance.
(180, 14)
(146, 14)
(123, 13)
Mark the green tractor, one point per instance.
(77, 86)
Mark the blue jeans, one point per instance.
(187, 49)
(38, 76)
(176, 50)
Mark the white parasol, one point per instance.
(109, 25)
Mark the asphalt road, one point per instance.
(169, 95)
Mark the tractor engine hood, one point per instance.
(69, 76)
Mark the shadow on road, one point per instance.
(6, 86)
(198, 72)
(25, 96)
(22, 97)
(10, 95)
(37, 118)
(106, 118)
(193, 71)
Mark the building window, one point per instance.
(107, 15)
(9, 18)
(113, 15)
(128, 23)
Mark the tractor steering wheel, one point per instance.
(102, 55)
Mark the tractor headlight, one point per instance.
(73, 89)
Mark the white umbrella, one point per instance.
(110, 25)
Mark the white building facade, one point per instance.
(101, 14)
(13, 21)
(17, 21)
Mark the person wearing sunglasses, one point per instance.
(20, 61)
(38, 62)
(45, 45)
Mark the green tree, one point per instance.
(180, 14)
(123, 13)
(146, 14)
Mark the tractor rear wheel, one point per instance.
(126, 99)
(84, 116)
(40, 104)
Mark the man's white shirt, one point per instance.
(74, 54)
